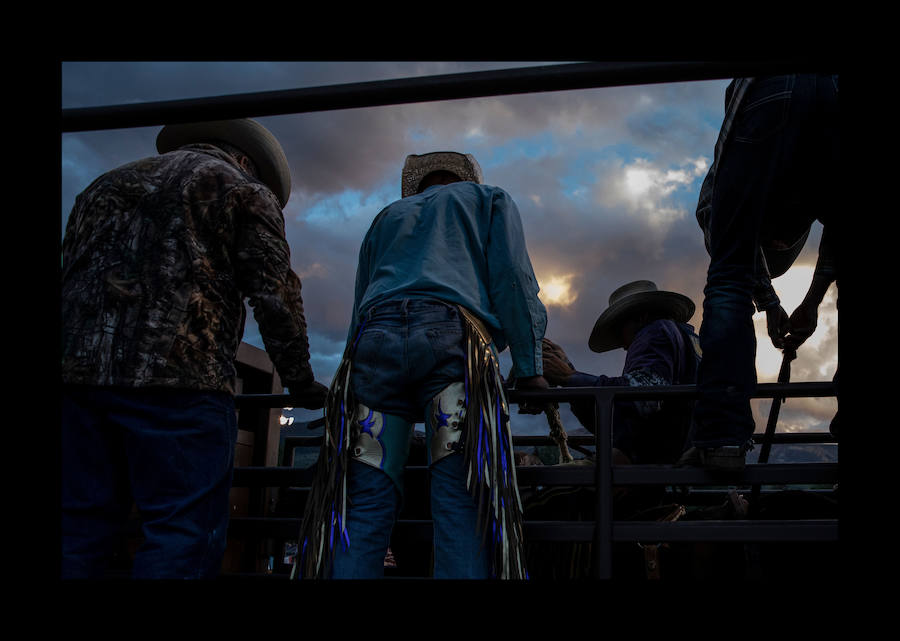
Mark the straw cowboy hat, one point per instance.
(417, 167)
(634, 298)
(247, 135)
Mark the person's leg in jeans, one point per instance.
(408, 352)
(180, 447)
(95, 497)
(372, 510)
(746, 181)
(375, 475)
(458, 550)
(175, 450)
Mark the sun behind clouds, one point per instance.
(557, 290)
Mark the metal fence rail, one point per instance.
(604, 530)
(562, 77)
(602, 476)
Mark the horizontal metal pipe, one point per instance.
(763, 390)
(584, 475)
(476, 84)
(568, 394)
(783, 438)
(622, 531)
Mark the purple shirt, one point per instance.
(659, 355)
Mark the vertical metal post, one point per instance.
(603, 409)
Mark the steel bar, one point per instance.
(246, 401)
(562, 77)
(584, 531)
(559, 394)
(578, 475)
(602, 551)
(770, 474)
(784, 376)
(786, 438)
(737, 530)
(763, 390)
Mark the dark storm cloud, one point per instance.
(565, 157)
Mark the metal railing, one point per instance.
(478, 84)
(603, 476)
(604, 531)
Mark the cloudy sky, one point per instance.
(606, 181)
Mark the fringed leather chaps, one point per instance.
(486, 444)
(325, 518)
(489, 456)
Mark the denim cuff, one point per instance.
(765, 298)
(527, 359)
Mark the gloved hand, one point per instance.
(777, 324)
(310, 396)
(557, 366)
(803, 323)
(532, 382)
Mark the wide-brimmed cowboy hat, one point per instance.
(418, 166)
(634, 298)
(780, 260)
(247, 135)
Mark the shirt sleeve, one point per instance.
(513, 288)
(826, 265)
(651, 358)
(263, 268)
(764, 295)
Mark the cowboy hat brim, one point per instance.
(780, 260)
(606, 335)
(247, 135)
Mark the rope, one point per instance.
(558, 432)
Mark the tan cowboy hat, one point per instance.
(247, 135)
(634, 298)
(417, 167)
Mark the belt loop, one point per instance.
(403, 305)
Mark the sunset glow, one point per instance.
(557, 290)
(791, 289)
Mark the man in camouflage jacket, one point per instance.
(158, 257)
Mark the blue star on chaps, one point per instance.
(489, 461)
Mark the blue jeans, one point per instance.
(169, 451)
(777, 175)
(408, 352)
(374, 504)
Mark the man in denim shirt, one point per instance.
(776, 165)
(444, 282)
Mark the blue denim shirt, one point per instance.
(462, 243)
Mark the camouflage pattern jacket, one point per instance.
(157, 259)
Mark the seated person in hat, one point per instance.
(444, 282)
(662, 349)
